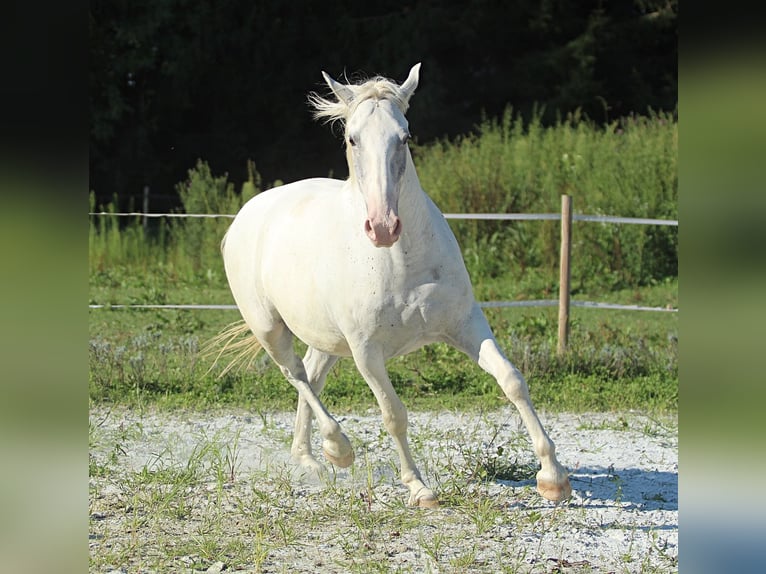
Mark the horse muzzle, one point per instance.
(384, 231)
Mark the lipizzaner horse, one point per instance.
(367, 268)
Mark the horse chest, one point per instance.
(402, 318)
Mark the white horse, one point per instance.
(367, 268)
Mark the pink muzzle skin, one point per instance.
(383, 232)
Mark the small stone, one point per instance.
(216, 567)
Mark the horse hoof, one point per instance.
(424, 499)
(340, 461)
(428, 501)
(310, 464)
(555, 492)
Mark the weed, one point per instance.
(432, 541)
(485, 515)
(509, 458)
(463, 562)
(621, 423)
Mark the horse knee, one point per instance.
(514, 386)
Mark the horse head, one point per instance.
(376, 135)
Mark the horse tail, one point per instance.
(235, 341)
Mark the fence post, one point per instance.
(564, 274)
(146, 207)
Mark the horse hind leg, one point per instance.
(317, 365)
(476, 340)
(277, 341)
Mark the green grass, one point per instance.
(616, 359)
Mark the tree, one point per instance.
(173, 81)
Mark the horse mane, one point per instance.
(377, 88)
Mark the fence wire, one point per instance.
(479, 216)
(483, 304)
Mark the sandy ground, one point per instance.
(622, 517)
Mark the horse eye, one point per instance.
(351, 141)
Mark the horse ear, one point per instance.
(343, 93)
(409, 85)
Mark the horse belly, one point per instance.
(302, 293)
(315, 330)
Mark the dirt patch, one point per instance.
(187, 492)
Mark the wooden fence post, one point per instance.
(564, 274)
(145, 205)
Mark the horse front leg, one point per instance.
(317, 364)
(476, 340)
(371, 364)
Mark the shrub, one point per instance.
(628, 168)
(187, 247)
(199, 239)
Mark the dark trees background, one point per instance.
(172, 81)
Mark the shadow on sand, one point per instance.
(628, 487)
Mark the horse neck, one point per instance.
(413, 201)
(415, 207)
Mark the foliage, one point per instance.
(171, 80)
(183, 247)
(113, 241)
(628, 168)
(203, 193)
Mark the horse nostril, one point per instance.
(383, 234)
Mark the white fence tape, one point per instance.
(556, 216)
(214, 307)
(137, 214)
(480, 216)
(485, 304)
